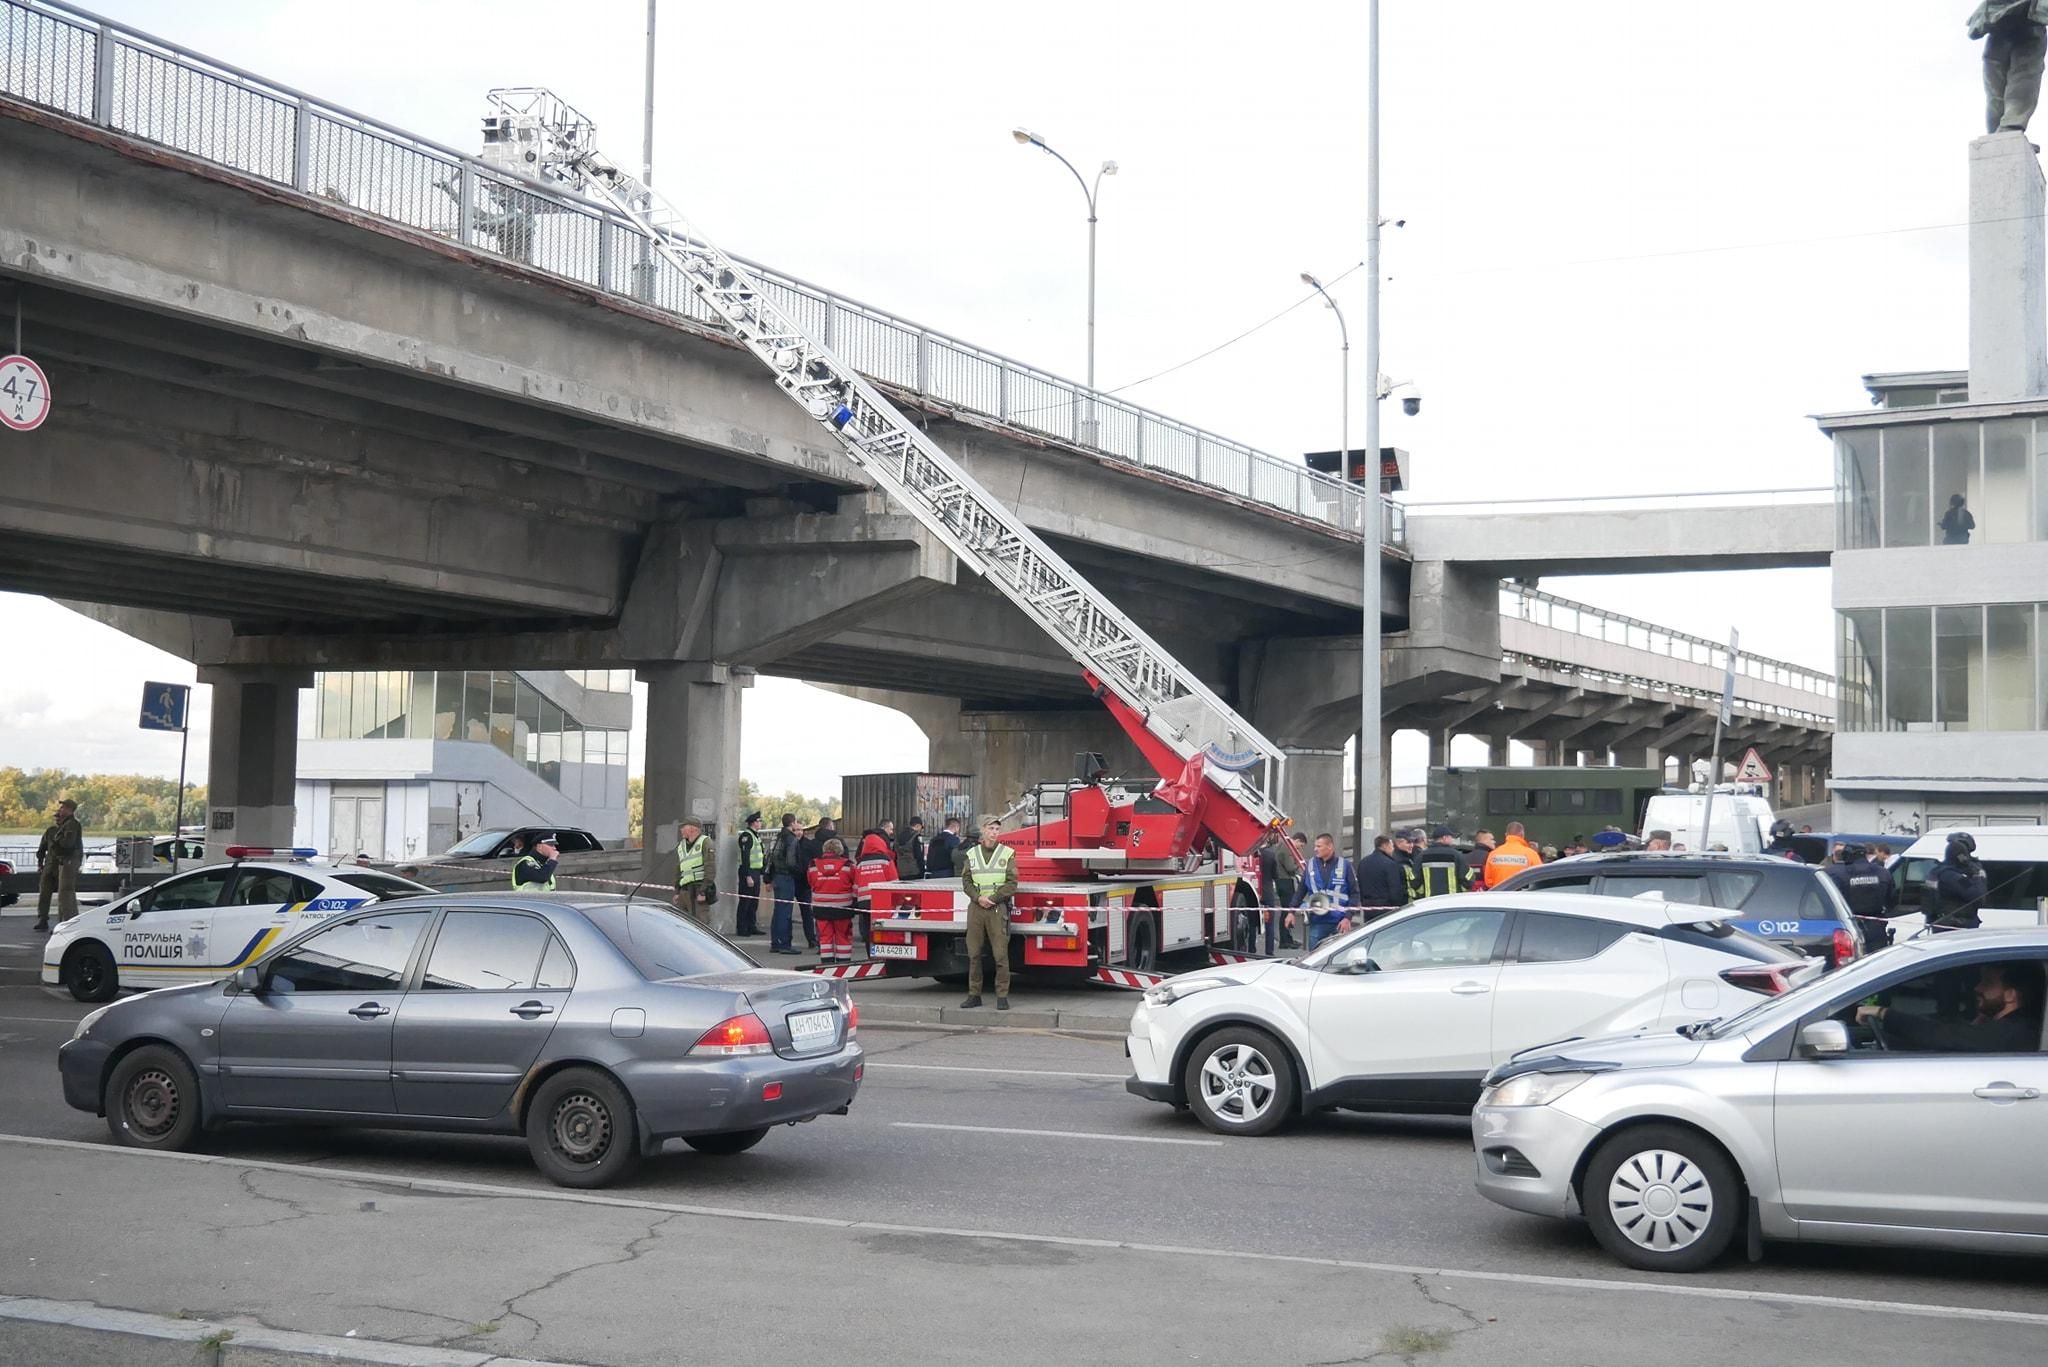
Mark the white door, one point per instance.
(1404, 1016)
(264, 906)
(167, 934)
(341, 828)
(370, 827)
(1575, 976)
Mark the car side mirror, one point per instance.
(249, 978)
(1823, 1039)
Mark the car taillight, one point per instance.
(735, 1036)
(1766, 979)
(852, 1018)
(1845, 946)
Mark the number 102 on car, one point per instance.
(24, 393)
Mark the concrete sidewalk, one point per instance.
(494, 1275)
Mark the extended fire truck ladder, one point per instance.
(555, 142)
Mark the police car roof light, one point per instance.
(267, 852)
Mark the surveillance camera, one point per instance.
(1412, 404)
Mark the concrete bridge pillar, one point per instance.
(1439, 748)
(252, 756)
(1314, 792)
(693, 770)
(1637, 757)
(1497, 749)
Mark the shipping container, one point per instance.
(866, 799)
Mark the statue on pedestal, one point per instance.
(2015, 34)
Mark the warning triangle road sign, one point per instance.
(1752, 769)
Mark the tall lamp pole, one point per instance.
(1344, 371)
(1092, 193)
(1369, 817)
(647, 117)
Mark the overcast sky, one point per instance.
(1643, 241)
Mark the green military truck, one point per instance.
(1554, 803)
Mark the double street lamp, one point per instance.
(1092, 192)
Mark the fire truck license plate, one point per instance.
(893, 951)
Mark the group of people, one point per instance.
(1404, 866)
(820, 879)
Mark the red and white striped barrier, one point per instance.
(847, 972)
(1131, 978)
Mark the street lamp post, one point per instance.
(1344, 372)
(1092, 193)
(1369, 816)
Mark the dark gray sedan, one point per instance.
(598, 1027)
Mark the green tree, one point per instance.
(108, 804)
(749, 799)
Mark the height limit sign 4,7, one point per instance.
(24, 393)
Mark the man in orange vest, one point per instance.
(1509, 858)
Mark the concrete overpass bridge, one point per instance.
(332, 395)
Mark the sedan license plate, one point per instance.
(893, 951)
(811, 1028)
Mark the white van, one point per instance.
(2015, 860)
(1742, 820)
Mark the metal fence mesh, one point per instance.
(47, 60)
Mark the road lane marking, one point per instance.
(450, 1186)
(1056, 1134)
(874, 1063)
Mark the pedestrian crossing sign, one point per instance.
(1752, 769)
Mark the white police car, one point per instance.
(206, 923)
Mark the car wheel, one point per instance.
(733, 1141)
(1240, 1081)
(1141, 942)
(581, 1130)
(152, 1100)
(1662, 1198)
(88, 972)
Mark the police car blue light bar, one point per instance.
(267, 852)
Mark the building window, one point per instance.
(1971, 668)
(1959, 669)
(1908, 668)
(1906, 522)
(475, 722)
(504, 697)
(2009, 684)
(1897, 486)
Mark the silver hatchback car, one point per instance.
(1902, 1100)
(598, 1027)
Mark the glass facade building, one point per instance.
(1894, 485)
(501, 708)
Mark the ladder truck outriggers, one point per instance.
(1110, 876)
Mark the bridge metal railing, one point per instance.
(1545, 609)
(95, 69)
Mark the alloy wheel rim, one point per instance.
(151, 1102)
(1660, 1200)
(1238, 1083)
(89, 972)
(581, 1128)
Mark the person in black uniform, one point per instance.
(1959, 885)
(1863, 886)
(1443, 868)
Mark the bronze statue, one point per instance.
(2015, 34)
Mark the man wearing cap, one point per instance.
(989, 874)
(695, 892)
(1444, 869)
(534, 871)
(753, 861)
(58, 857)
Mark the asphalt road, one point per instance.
(1032, 1134)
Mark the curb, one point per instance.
(889, 1015)
(62, 1333)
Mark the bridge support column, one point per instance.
(693, 771)
(252, 756)
(1635, 757)
(1439, 748)
(1497, 750)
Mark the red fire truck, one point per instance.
(1112, 875)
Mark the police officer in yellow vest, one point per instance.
(753, 848)
(990, 874)
(534, 871)
(695, 892)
